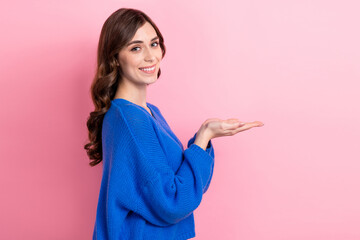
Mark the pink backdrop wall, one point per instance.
(294, 65)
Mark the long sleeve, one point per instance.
(139, 176)
(210, 150)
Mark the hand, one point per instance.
(216, 127)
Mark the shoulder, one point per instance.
(127, 115)
(126, 123)
(129, 111)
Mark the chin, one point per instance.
(153, 80)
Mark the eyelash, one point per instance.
(138, 47)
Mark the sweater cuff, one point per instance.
(209, 148)
(200, 151)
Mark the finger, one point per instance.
(257, 124)
(248, 126)
(234, 125)
(231, 121)
(242, 128)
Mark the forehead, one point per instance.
(146, 31)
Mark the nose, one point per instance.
(149, 56)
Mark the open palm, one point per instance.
(219, 128)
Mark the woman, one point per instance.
(150, 184)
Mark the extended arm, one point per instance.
(140, 176)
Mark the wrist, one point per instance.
(202, 138)
(205, 131)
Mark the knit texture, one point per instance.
(150, 185)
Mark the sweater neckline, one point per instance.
(157, 119)
(147, 104)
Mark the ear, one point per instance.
(116, 59)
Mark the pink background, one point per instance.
(294, 65)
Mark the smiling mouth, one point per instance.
(150, 69)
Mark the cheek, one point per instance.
(159, 54)
(132, 62)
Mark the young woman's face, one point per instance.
(144, 52)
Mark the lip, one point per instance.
(147, 72)
(149, 66)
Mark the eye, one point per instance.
(133, 49)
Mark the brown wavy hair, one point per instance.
(118, 30)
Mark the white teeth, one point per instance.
(148, 69)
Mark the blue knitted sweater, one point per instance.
(150, 186)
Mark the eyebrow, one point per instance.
(138, 41)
